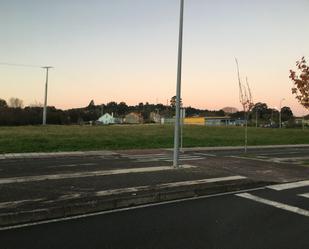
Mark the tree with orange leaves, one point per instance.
(301, 82)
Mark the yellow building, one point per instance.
(194, 121)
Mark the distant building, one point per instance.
(300, 120)
(167, 120)
(239, 122)
(207, 121)
(133, 118)
(155, 117)
(118, 120)
(107, 119)
(194, 121)
(219, 121)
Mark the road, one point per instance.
(270, 217)
(275, 217)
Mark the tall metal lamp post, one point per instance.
(280, 125)
(178, 90)
(45, 98)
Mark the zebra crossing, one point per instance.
(302, 188)
(161, 157)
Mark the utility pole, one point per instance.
(178, 90)
(280, 112)
(45, 99)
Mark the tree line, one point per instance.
(14, 113)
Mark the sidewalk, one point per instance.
(65, 185)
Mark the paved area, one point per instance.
(57, 185)
(274, 216)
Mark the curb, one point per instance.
(249, 147)
(88, 205)
(115, 152)
(56, 154)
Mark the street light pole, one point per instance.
(280, 112)
(178, 89)
(45, 98)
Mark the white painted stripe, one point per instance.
(187, 159)
(280, 153)
(63, 165)
(169, 159)
(158, 158)
(144, 155)
(11, 204)
(306, 195)
(290, 185)
(72, 165)
(69, 196)
(205, 154)
(168, 185)
(87, 164)
(81, 216)
(275, 204)
(87, 174)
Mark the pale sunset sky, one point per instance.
(126, 50)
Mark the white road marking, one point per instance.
(144, 155)
(63, 165)
(306, 195)
(72, 165)
(275, 204)
(162, 157)
(87, 174)
(69, 197)
(87, 164)
(187, 159)
(168, 185)
(290, 185)
(11, 204)
(169, 159)
(279, 153)
(81, 216)
(205, 154)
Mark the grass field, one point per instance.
(73, 138)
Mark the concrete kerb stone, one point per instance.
(222, 148)
(91, 205)
(56, 154)
(110, 153)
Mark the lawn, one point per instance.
(73, 138)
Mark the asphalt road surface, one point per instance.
(276, 217)
(271, 217)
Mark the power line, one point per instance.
(18, 65)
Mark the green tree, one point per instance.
(122, 108)
(173, 102)
(261, 110)
(3, 103)
(286, 113)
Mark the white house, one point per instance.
(107, 119)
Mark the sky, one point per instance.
(126, 50)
